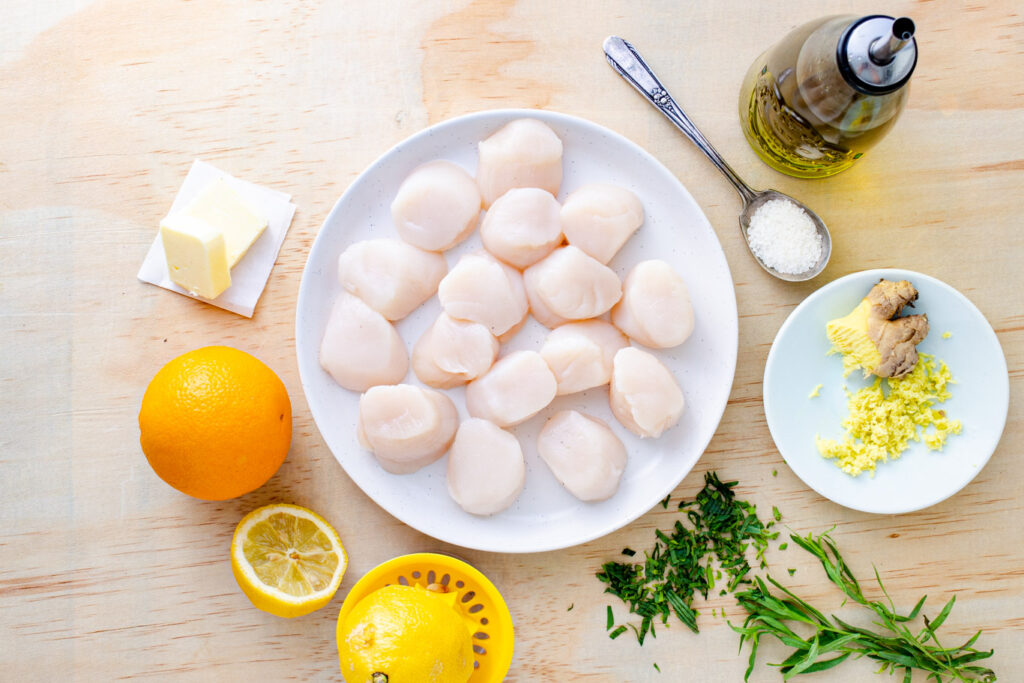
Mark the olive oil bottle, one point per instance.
(815, 102)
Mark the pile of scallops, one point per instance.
(540, 258)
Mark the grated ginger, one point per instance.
(883, 420)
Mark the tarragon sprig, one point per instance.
(830, 642)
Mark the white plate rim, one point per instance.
(543, 114)
(890, 274)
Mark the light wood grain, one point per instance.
(107, 573)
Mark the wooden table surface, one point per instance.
(108, 573)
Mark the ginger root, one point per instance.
(871, 337)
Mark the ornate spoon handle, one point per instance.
(631, 66)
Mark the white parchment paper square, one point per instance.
(249, 276)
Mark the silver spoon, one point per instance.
(631, 66)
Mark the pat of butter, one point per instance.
(220, 206)
(196, 255)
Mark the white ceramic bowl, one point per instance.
(545, 516)
(797, 362)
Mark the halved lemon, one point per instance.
(287, 559)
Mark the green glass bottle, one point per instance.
(815, 102)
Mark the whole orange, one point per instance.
(216, 423)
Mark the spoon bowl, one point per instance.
(760, 198)
(627, 61)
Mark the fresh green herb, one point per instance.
(570, 607)
(730, 526)
(678, 566)
(776, 514)
(829, 642)
(628, 552)
(791, 571)
(617, 632)
(657, 668)
(611, 619)
(783, 546)
(664, 502)
(775, 473)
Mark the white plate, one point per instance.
(545, 517)
(798, 362)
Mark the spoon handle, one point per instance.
(631, 66)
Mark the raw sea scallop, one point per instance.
(580, 354)
(406, 427)
(599, 218)
(452, 352)
(644, 395)
(391, 276)
(583, 454)
(483, 290)
(361, 348)
(569, 285)
(437, 206)
(524, 153)
(655, 309)
(486, 470)
(522, 226)
(516, 388)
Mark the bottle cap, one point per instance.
(877, 54)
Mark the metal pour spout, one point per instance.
(882, 49)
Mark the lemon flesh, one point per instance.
(405, 634)
(287, 560)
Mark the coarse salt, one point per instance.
(784, 237)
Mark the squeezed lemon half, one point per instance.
(287, 559)
(405, 634)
